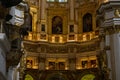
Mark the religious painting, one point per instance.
(52, 65)
(84, 64)
(43, 27)
(57, 25)
(29, 63)
(87, 22)
(71, 28)
(61, 65)
(93, 63)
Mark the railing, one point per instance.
(52, 38)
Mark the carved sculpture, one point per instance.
(117, 13)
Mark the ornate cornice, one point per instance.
(107, 13)
(108, 5)
(112, 29)
(61, 48)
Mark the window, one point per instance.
(56, 0)
(84, 64)
(52, 65)
(50, 0)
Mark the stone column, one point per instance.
(71, 10)
(72, 60)
(72, 63)
(39, 9)
(42, 60)
(103, 55)
(108, 53)
(111, 22)
(43, 5)
(115, 54)
(38, 18)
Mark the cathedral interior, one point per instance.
(60, 39)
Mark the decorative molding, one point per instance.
(61, 48)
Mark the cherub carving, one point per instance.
(117, 13)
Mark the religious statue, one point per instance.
(117, 13)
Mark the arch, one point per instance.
(87, 22)
(57, 25)
(88, 77)
(28, 77)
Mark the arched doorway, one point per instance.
(88, 77)
(28, 77)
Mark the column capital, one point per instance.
(112, 29)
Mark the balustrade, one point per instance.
(52, 38)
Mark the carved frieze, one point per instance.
(112, 29)
(57, 5)
(61, 48)
(57, 49)
(72, 60)
(41, 59)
